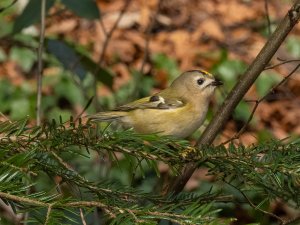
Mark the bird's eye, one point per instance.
(200, 81)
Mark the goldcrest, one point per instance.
(178, 110)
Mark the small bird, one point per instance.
(178, 110)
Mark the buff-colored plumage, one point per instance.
(178, 110)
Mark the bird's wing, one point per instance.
(152, 102)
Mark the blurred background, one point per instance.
(120, 50)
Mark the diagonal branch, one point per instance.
(283, 61)
(240, 89)
(257, 102)
(2, 9)
(255, 206)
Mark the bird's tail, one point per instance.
(107, 116)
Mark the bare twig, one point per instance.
(40, 63)
(25, 200)
(254, 206)
(62, 162)
(48, 214)
(257, 102)
(8, 6)
(268, 17)
(293, 221)
(81, 178)
(283, 61)
(84, 109)
(240, 89)
(109, 209)
(5, 117)
(111, 31)
(102, 26)
(108, 35)
(148, 36)
(146, 49)
(82, 217)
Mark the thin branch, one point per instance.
(82, 217)
(240, 89)
(40, 63)
(111, 31)
(48, 214)
(84, 109)
(293, 221)
(254, 206)
(131, 211)
(257, 102)
(282, 63)
(26, 200)
(254, 25)
(82, 179)
(102, 26)
(81, 204)
(62, 162)
(5, 117)
(146, 49)
(268, 17)
(23, 170)
(148, 36)
(8, 6)
(108, 36)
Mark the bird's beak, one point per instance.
(216, 82)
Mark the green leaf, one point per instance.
(24, 57)
(265, 82)
(83, 8)
(139, 86)
(6, 94)
(67, 56)
(242, 111)
(56, 113)
(102, 75)
(229, 71)
(264, 135)
(77, 62)
(7, 9)
(20, 108)
(2, 55)
(66, 88)
(162, 61)
(6, 27)
(293, 46)
(30, 15)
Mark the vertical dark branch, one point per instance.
(40, 63)
(240, 89)
(255, 207)
(257, 102)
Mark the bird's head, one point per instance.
(195, 84)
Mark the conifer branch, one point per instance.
(270, 168)
(240, 89)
